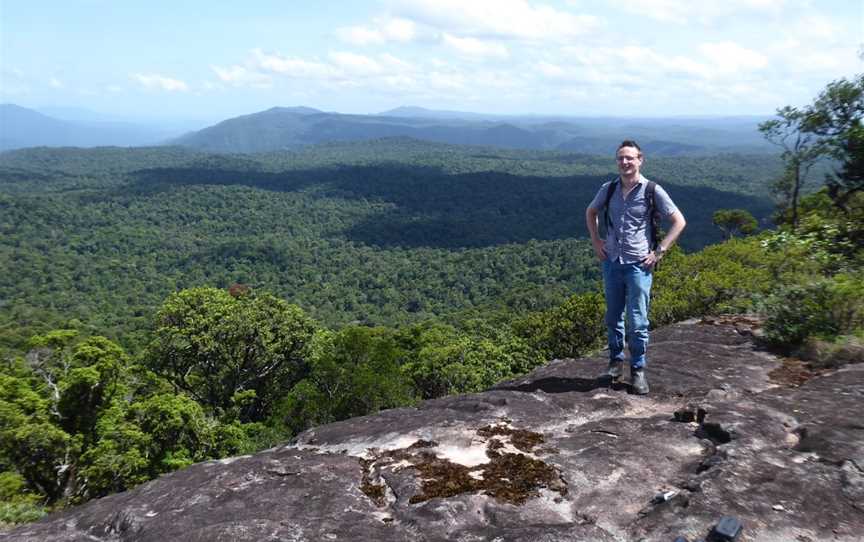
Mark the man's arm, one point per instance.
(593, 231)
(677, 226)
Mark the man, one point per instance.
(629, 259)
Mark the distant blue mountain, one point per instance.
(282, 128)
(22, 127)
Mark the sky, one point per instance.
(196, 59)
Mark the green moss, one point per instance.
(374, 491)
(507, 477)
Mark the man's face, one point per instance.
(629, 161)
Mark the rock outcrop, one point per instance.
(558, 455)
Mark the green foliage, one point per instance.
(92, 384)
(37, 451)
(77, 422)
(720, 278)
(833, 352)
(12, 485)
(837, 115)
(801, 150)
(568, 331)
(823, 308)
(218, 348)
(354, 371)
(13, 513)
(734, 222)
(376, 233)
(829, 240)
(17, 503)
(445, 360)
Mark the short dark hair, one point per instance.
(629, 143)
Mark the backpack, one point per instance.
(652, 210)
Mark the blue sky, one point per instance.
(211, 60)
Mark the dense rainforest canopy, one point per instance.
(386, 232)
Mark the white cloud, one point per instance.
(553, 71)
(446, 81)
(355, 64)
(292, 67)
(727, 57)
(114, 89)
(508, 19)
(241, 76)
(382, 30)
(474, 47)
(403, 83)
(341, 70)
(396, 64)
(360, 35)
(13, 81)
(160, 82)
(626, 66)
(642, 66)
(686, 11)
(818, 27)
(55, 83)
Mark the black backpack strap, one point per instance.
(609, 191)
(653, 213)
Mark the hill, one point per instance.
(291, 128)
(22, 127)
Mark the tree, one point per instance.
(836, 116)
(231, 354)
(355, 371)
(801, 149)
(734, 222)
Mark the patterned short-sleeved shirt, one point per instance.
(628, 240)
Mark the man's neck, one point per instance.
(630, 180)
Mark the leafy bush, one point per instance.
(17, 503)
(834, 353)
(571, 330)
(720, 278)
(823, 308)
(14, 513)
(442, 359)
(353, 372)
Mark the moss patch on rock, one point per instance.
(507, 477)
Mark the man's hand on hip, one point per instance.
(649, 261)
(599, 249)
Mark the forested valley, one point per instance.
(380, 233)
(163, 306)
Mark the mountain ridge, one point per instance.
(292, 128)
(295, 127)
(23, 127)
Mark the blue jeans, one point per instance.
(628, 289)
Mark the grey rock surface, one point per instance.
(559, 455)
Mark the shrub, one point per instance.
(823, 309)
(571, 330)
(13, 513)
(720, 278)
(829, 354)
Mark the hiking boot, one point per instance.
(616, 369)
(638, 382)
